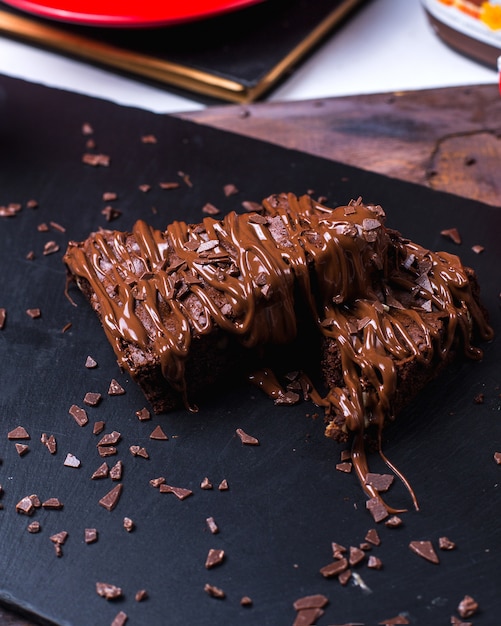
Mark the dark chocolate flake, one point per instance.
(79, 415)
(92, 399)
(214, 592)
(116, 471)
(110, 439)
(96, 159)
(71, 461)
(425, 550)
(444, 543)
(34, 313)
(316, 601)
(34, 527)
(50, 247)
(120, 619)
(18, 433)
(452, 234)
(212, 526)
(159, 434)
(90, 535)
(180, 492)
(334, 568)
(143, 414)
(214, 557)
(115, 388)
(110, 500)
(25, 506)
(141, 595)
(380, 482)
(246, 438)
(22, 449)
(377, 509)
(108, 591)
(53, 504)
(90, 363)
(467, 607)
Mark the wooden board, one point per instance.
(447, 139)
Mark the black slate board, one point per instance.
(244, 46)
(286, 501)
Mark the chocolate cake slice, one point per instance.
(180, 306)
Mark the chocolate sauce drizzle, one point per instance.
(378, 299)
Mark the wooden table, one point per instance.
(447, 139)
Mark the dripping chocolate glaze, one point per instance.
(158, 289)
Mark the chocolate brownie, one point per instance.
(180, 306)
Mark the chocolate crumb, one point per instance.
(110, 500)
(251, 207)
(34, 527)
(108, 591)
(96, 159)
(169, 185)
(90, 535)
(3, 317)
(316, 601)
(98, 427)
(206, 484)
(156, 482)
(377, 509)
(71, 461)
(452, 234)
(230, 190)
(43, 228)
(110, 213)
(478, 249)
(59, 538)
(356, 556)
(467, 607)
(246, 601)
(214, 592)
(345, 467)
(143, 414)
(479, 398)
(307, 617)
(128, 524)
(87, 129)
(373, 537)
(66, 327)
(79, 415)
(92, 399)
(144, 187)
(22, 449)
(455, 621)
(115, 388)
(223, 485)
(380, 482)
(18, 433)
(102, 472)
(425, 550)
(334, 568)
(120, 619)
(159, 434)
(374, 562)
(53, 504)
(25, 506)
(180, 492)
(444, 543)
(35, 500)
(247, 439)
(210, 209)
(212, 526)
(148, 139)
(34, 313)
(393, 621)
(497, 457)
(50, 247)
(109, 196)
(110, 439)
(393, 522)
(214, 557)
(90, 363)
(105, 451)
(141, 595)
(116, 471)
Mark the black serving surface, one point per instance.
(286, 502)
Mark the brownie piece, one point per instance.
(180, 307)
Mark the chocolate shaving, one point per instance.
(25, 506)
(223, 485)
(92, 399)
(110, 500)
(247, 439)
(18, 433)
(380, 482)
(180, 492)
(467, 607)
(116, 471)
(317, 601)
(210, 209)
(214, 592)
(374, 562)
(90, 535)
(345, 467)
(170, 185)
(105, 451)
(108, 591)
(98, 427)
(373, 537)
(22, 448)
(120, 619)
(102, 472)
(109, 196)
(34, 313)
(425, 550)
(307, 617)
(34, 527)
(452, 234)
(444, 543)
(53, 504)
(3, 317)
(90, 363)
(143, 414)
(115, 388)
(96, 159)
(71, 461)
(334, 568)
(159, 434)
(377, 509)
(156, 482)
(110, 439)
(214, 557)
(212, 526)
(50, 247)
(206, 484)
(141, 595)
(79, 415)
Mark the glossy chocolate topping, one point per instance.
(380, 298)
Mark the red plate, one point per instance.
(128, 13)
